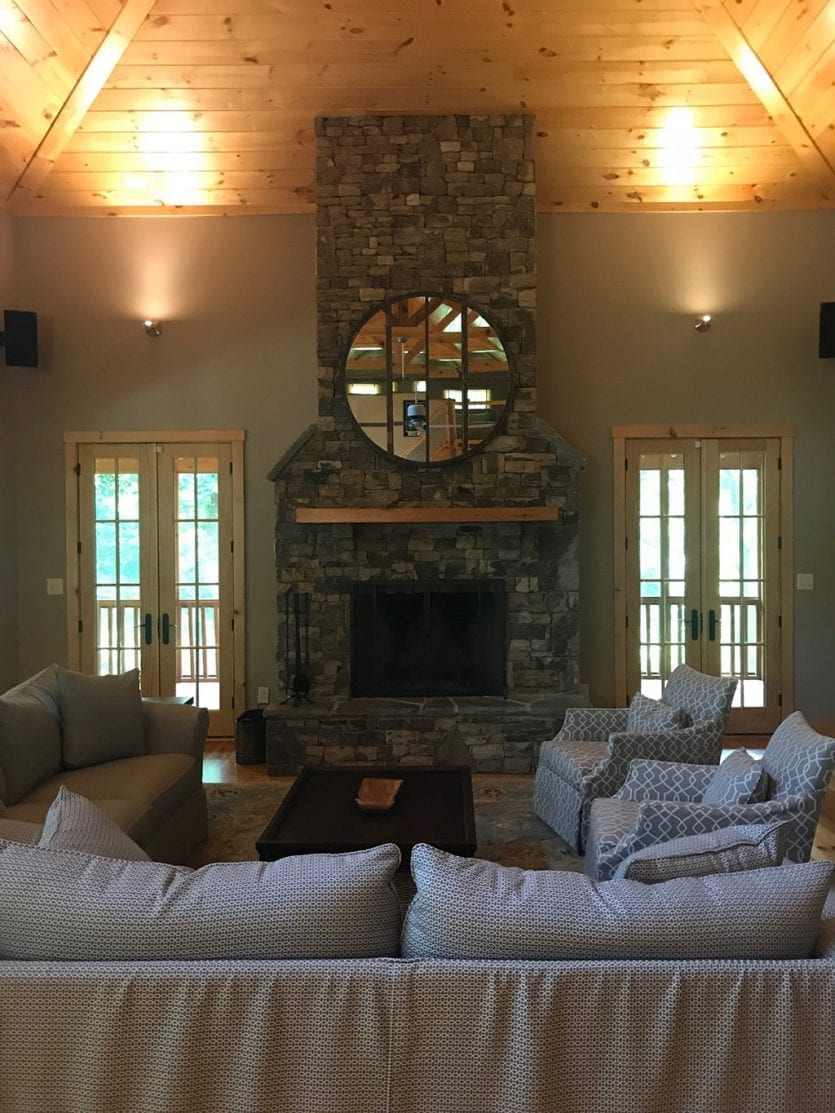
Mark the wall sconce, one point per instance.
(703, 323)
(153, 328)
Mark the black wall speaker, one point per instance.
(21, 338)
(827, 330)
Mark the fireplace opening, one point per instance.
(420, 639)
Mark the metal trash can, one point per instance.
(251, 738)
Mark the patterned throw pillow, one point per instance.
(101, 717)
(61, 904)
(727, 850)
(647, 715)
(738, 780)
(75, 823)
(467, 908)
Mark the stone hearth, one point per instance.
(441, 205)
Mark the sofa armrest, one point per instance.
(666, 780)
(592, 724)
(174, 728)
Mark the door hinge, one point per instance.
(232, 623)
(77, 469)
(626, 465)
(779, 622)
(231, 546)
(233, 701)
(230, 467)
(779, 542)
(626, 620)
(80, 627)
(780, 700)
(78, 547)
(779, 463)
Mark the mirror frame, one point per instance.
(392, 420)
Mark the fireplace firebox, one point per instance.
(428, 639)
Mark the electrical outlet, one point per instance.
(263, 694)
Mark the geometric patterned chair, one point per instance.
(590, 755)
(662, 800)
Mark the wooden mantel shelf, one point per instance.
(365, 515)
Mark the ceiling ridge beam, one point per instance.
(766, 89)
(88, 86)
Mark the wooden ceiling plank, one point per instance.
(55, 73)
(33, 103)
(809, 52)
(265, 140)
(158, 183)
(82, 96)
(55, 30)
(282, 158)
(301, 200)
(765, 87)
(810, 94)
(89, 25)
(355, 96)
(275, 53)
(761, 20)
(796, 24)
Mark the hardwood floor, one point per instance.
(220, 767)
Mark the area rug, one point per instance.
(506, 829)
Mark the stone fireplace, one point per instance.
(441, 599)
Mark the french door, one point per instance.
(705, 524)
(157, 566)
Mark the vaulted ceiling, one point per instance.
(207, 106)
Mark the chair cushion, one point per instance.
(798, 759)
(101, 717)
(30, 734)
(571, 760)
(701, 696)
(728, 850)
(468, 908)
(75, 823)
(62, 904)
(740, 779)
(137, 793)
(647, 714)
(18, 830)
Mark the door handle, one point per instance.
(146, 626)
(712, 623)
(694, 625)
(167, 627)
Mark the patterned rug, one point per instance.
(507, 830)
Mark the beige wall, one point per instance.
(618, 295)
(8, 548)
(237, 351)
(617, 346)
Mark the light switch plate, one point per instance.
(263, 694)
(805, 581)
(54, 587)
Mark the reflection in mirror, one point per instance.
(427, 378)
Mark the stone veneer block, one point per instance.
(408, 205)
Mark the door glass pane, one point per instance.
(197, 580)
(663, 566)
(741, 554)
(117, 564)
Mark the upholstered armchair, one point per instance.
(590, 755)
(663, 800)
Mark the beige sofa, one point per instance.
(139, 760)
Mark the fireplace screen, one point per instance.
(440, 639)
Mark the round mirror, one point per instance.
(427, 378)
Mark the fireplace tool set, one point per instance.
(297, 625)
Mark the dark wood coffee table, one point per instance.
(319, 813)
